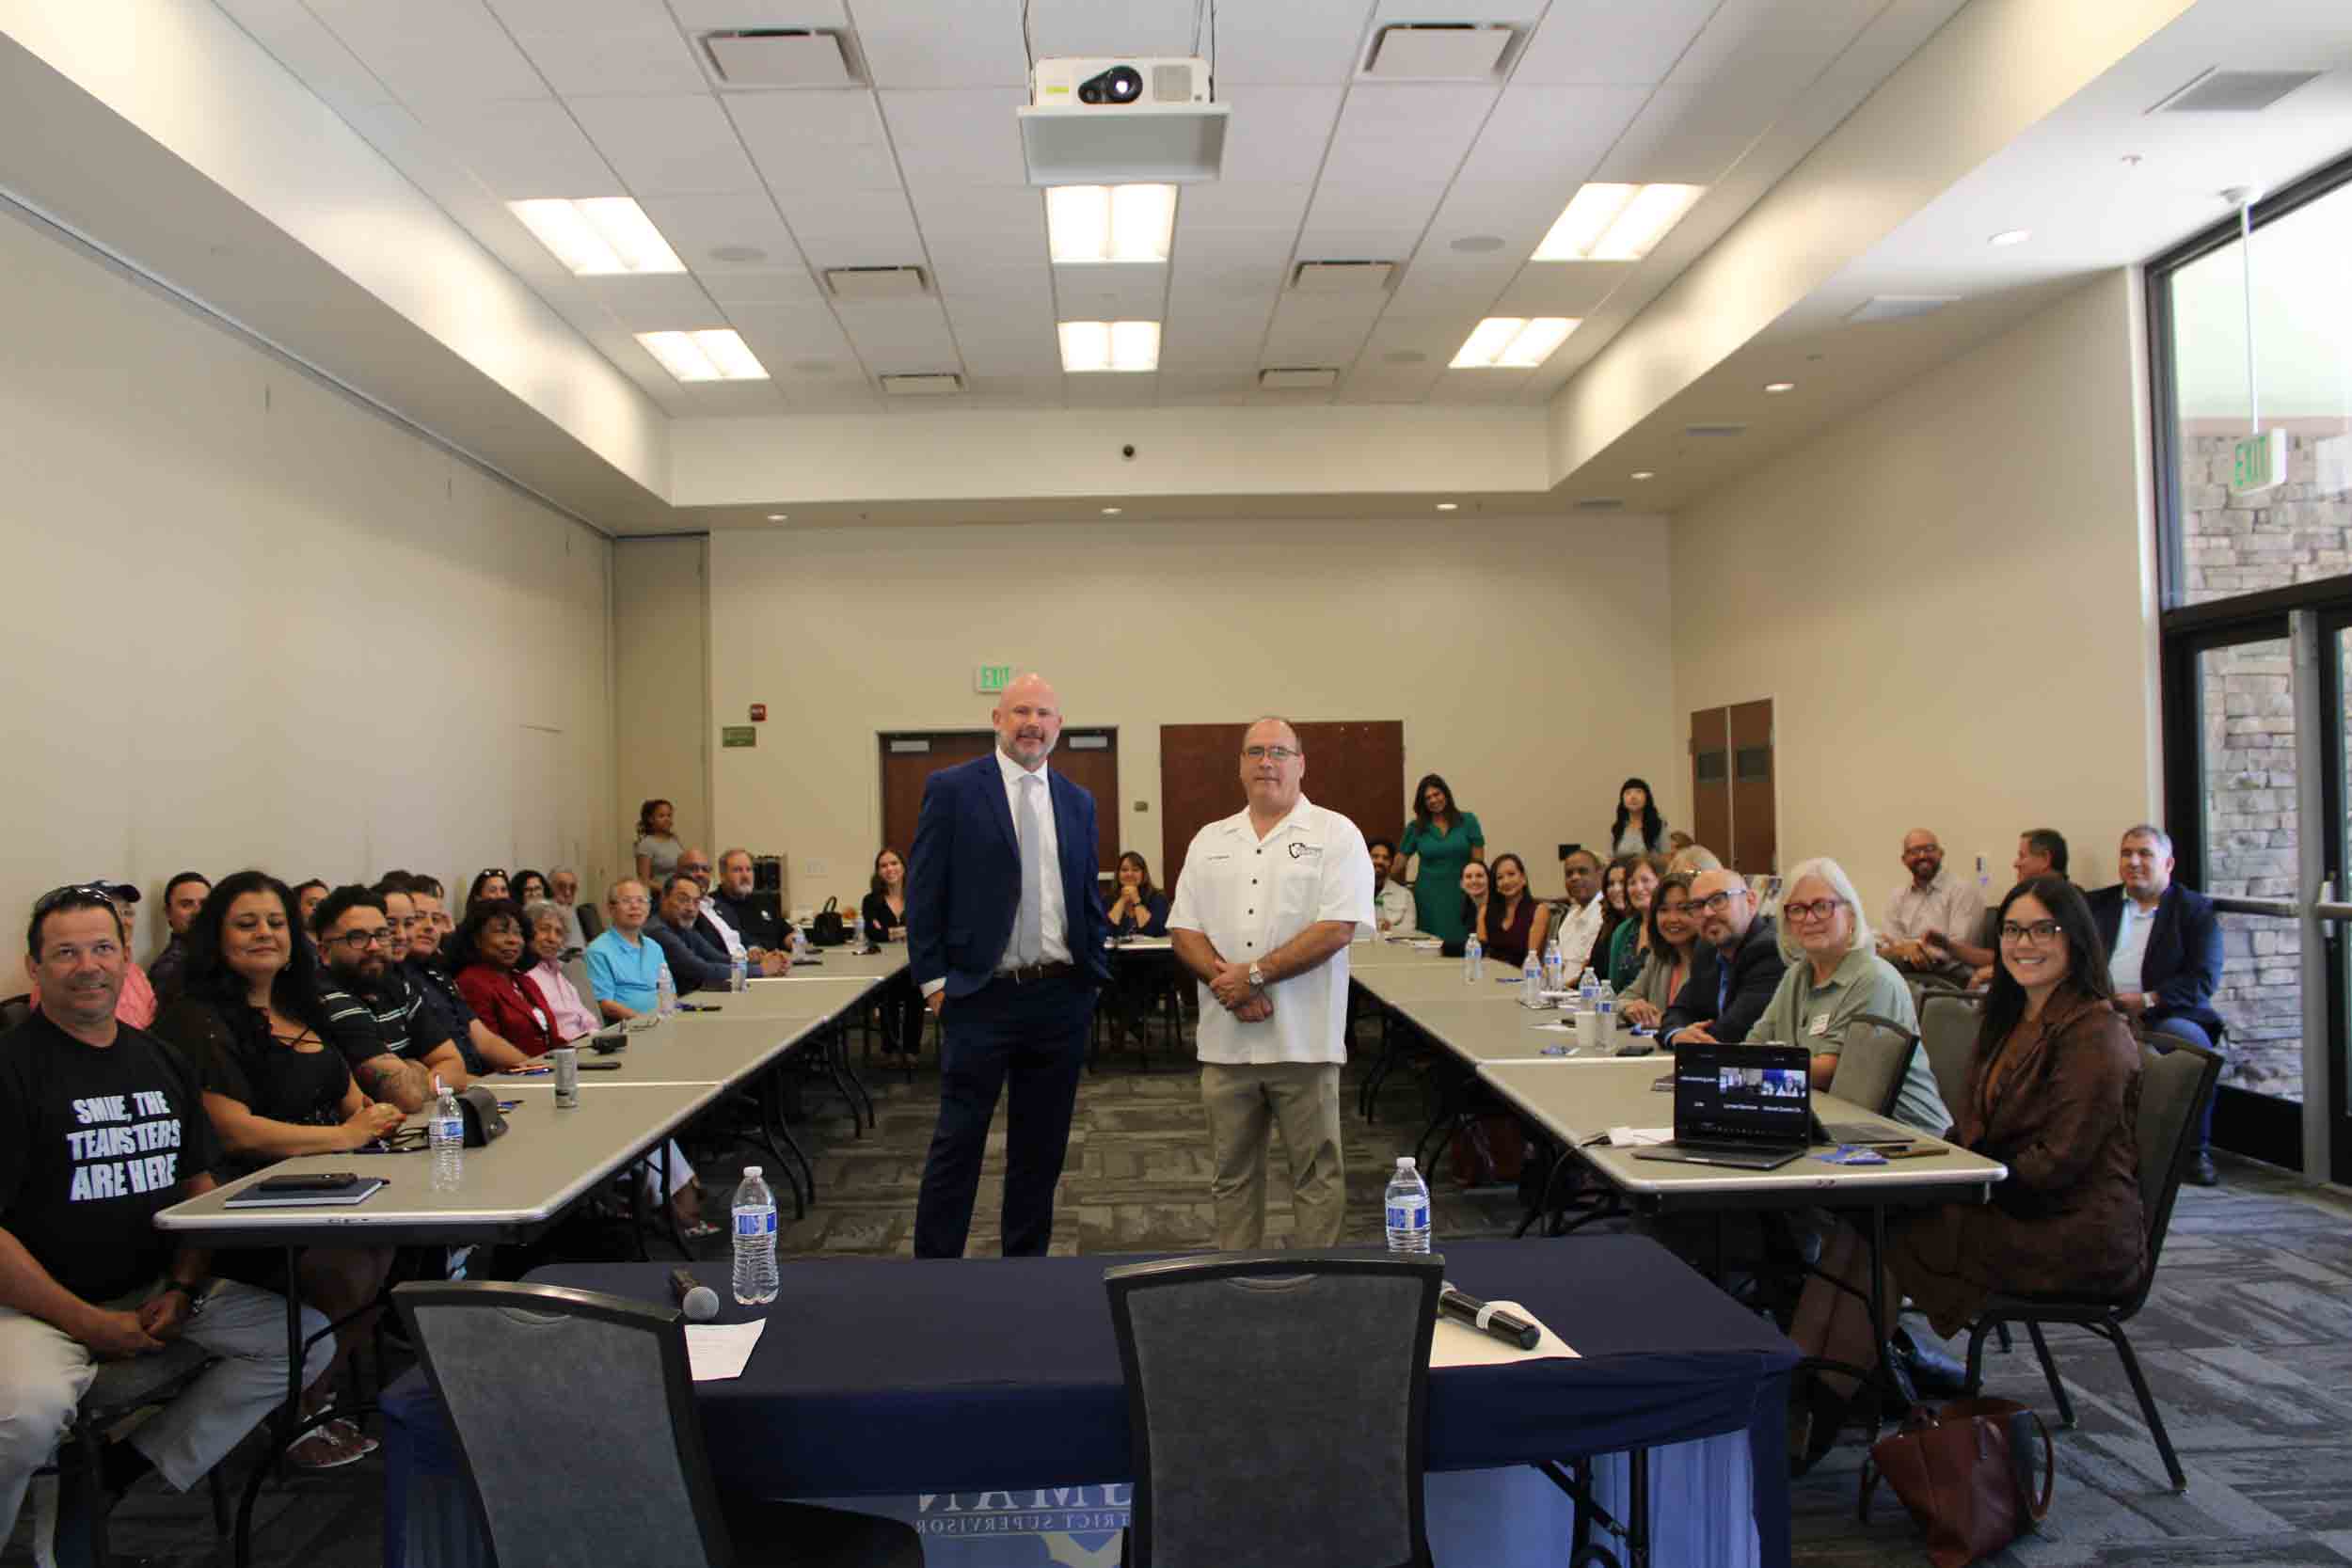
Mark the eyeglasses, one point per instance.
(359, 942)
(1714, 901)
(1821, 909)
(1272, 754)
(2036, 934)
(635, 901)
(1923, 849)
(687, 870)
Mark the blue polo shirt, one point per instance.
(623, 970)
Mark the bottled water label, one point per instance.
(448, 1129)
(755, 1222)
(1410, 1213)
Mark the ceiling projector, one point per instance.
(1109, 122)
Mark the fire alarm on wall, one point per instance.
(759, 712)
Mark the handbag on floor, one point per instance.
(1966, 1473)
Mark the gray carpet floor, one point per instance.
(2247, 1341)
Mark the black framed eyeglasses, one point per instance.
(1713, 901)
(359, 942)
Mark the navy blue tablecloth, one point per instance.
(882, 1376)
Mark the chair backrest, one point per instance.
(1278, 1402)
(2174, 1083)
(574, 1411)
(590, 923)
(1948, 1033)
(576, 971)
(15, 1009)
(1873, 1062)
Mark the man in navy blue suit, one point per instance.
(1005, 933)
(2164, 951)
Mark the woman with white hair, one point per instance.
(1835, 976)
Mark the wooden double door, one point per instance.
(1353, 766)
(1733, 808)
(1086, 757)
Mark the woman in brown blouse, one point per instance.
(1511, 922)
(2053, 1093)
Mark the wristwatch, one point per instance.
(1257, 978)
(194, 1293)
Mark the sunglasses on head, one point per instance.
(491, 871)
(56, 896)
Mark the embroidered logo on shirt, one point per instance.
(1297, 849)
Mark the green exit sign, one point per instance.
(733, 735)
(2258, 462)
(991, 678)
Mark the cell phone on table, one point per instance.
(320, 1181)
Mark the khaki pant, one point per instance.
(1243, 1104)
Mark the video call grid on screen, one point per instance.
(1719, 1097)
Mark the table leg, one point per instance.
(774, 1127)
(1880, 1327)
(1637, 1508)
(1543, 1199)
(284, 1422)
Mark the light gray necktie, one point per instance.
(1028, 938)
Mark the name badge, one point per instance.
(1819, 1027)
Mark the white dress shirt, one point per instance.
(1578, 932)
(1394, 904)
(1248, 897)
(1948, 904)
(719, 922)
(2131, 947)
(1053, 916)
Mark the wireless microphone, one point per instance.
(1486, 1318)
(699, 1302)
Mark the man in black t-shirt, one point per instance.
(101, 1127)
(764, 931)
(395, 1045)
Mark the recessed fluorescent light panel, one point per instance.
(1109, 223)
(1110, 346)
(714, 354)
(1513, 342)
(604, 236)
(1616, 223)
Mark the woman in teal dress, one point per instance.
(1442, 838)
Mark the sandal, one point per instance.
(697, 1229)
(349, 1435)
(324, 1450)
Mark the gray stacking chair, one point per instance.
(1948, 1033)
(1278, 1404)
(2174, 1085)
(1873, 1063)
(531, 1372)
(120, 1390)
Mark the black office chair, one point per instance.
(15, 1009)
(1228, 1359)
(2174, 1085)
(590, 923)
(527, 1371)
(121, 1390)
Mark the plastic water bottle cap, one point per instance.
(749, 1171)
(1404, 1162)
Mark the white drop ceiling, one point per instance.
(759, 190)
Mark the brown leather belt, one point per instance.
(1028, 975)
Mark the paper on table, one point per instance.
(1457, 1344)
(715, 1352)
(1559, 1026)
(1627, 1137)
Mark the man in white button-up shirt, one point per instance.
(1269, 899)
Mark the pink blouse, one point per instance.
(573, 1016)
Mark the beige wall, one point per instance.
(1449, 627)
(253, 622)
(660, 630)
(1947, 599)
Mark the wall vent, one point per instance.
(1341, 278)
(1602, 503)
(1714, 430)
(1895, 308)
(784, 58)
(2233, 92)
(859, 284)
(1425, 51)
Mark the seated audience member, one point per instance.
(2053, 1093)
(425, 893)
(1693, 859)
(1674, 935)
(885, 911)
(1931, 899)
(249, 1025)
(711, 922)
(135, 1005)
(657, 848)
(306, 897)
(2165, 956)
(1578, 917)
(1616, 913)
(1512, 922)
(1832, 978)
(763, 929)
(1629, 944)
(1477, 886)
(1637, 828)
(2041, 852)
(395, 1045)
(183, 896)
(569, 1016)
(1391, 900)
(489, 883)
(1736, 968)
(526, 887)
(625, 964)
(694, 963)
(491, 977)
(564, 891)
(428, 965)
(88, 1278)
(1139, 910)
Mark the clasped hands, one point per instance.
(1232, 988)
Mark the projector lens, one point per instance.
(1122, 84)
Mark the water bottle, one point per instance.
(800, 944)
(1531, 983)
(1588, 992)
(739, 975)
(1474, 962)
(1407, 1204)
(755, 1241)
(665, 993)
(1606, 1005)
(448, 1137)
(1552, 964)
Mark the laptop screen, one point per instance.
(1743, 1094)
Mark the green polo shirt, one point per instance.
(1817, 1016)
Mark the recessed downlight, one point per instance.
(1645, 473)
(1113, 511)
(1449, 506)
(1780, 385)
(2012, 236)
(779, 517)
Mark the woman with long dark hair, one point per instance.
(1139, 910)
(658, 848)
(1630, 944)
(2053, 1093)
(886, 914)
(277, 1083)
(1512, 921)
(487, 887)
(1438, 842)
(1637, 828)
(526, 887)
(1673, 940)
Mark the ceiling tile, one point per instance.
(432, 50)
(1690, 135)
(658, 302)
(1012, 215)
(1609, 42)
(1205, 251)
(1750, 38)
(522, 147)
(1518, 11)
(1518, 214)
(1391, 133)
(304, 46)
(789, 342)
(669, 145)
(955, 137)
(1240, 204)
(695, 226)
(1294, 42)
(815, 140)
(702, 16)
(1545, 131)
(1111, 391)
(609, 46)
(987, 289)
(1479, 386)
(1277, 134)
(896, 339)
(1192, 386)
(1547, 288)
(878, 221)
(1110, 294)
(1047, 389)
(1459, 286)
(920, 43)
(732, 398)
(1097, 28)
(1396, 212)
(730, 287)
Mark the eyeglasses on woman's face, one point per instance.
(1807, 914)
(2040, 934)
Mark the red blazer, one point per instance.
(511, 1005)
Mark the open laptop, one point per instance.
(1746, 1106)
